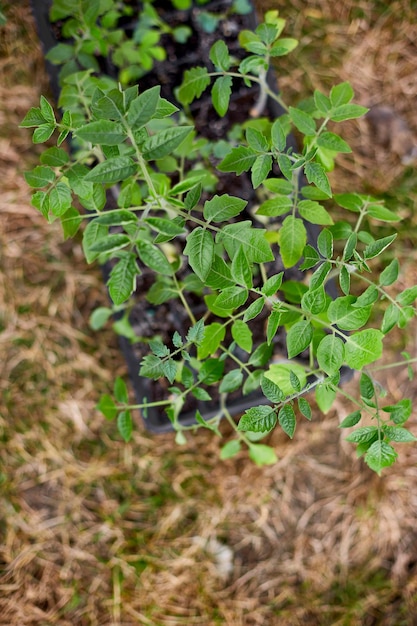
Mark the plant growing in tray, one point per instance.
(233, 284)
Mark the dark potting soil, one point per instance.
(163, 320)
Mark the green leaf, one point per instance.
(55, 157)
(314, 300)
(325, 396)
(40, 176)
(260, 169)
(390, 274)
(252, 239)
(319, 275)
(272, 284)
(122, 281)
(232, 381)
(219, 55)
(311, 258)
(99, 317)
(369, 296)
(164, 226)
(125, 425)
(330, 141)
(274, 320)
(379, 212)
(196, 332)
(400, 412)
(258, 419)
(93, 233)
(330, 354)
(351, 420)
(213, 336)
(271, 390)
(278, 136)
(341, 94)
(47, 111)
(313, 212)
(299, 337)
(151, 367)
(33, 117)
(262, 454)
(322, 102)
(287, 421)
(407, 296)
(275, 206)
(242, 269)
(43, 133)
(292, 240)
(238, 160)
(345, 316)
(376, 247)
(316, 174)
(390, 319)
(153, 257)
(242, 334)
(253, 309)
(195, 81)
(112, 170)
(380, 455)
(398, 434)
(347, 112)
(280, 374)
(230, 449)
(211, 371)
(363, 348)
(110, 243)
(165, 142)
(221, 208)
(344, 280)
(107, 406)
(221, 93)
(200, 251)
(256, 140)
(120, 391)
(102, 132)
(302, 121)
(304, 408)
(143, 108)
(60, 199)
(350, 201)
(219, 275)
(231, 298)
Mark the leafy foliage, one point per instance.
(197, 241)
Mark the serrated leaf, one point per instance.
(398, 434)
(257, 419)
(351, 420)
(151, 367)
(275, 206)
(40, 176)
(345, 316)
(195, 81)
(299, 337)
(122, 280)
(363, 348)
(302, 121)
(213, 336)
(315, 173)
(238, 160)
(43, 133)
(231, 298)
(330, 354)
(304, 408)
(272, 284)
(333, 142)
(166, 141)
(110, 243)
(120, 391)
(311, 258)
(143, 108)
(380, 455)
(314, 300)
(278, 136)
(211, 371)
(271, 390)
(292, 240)
(200, 251)
(260, 169)
(341, 94)
(242, 269)
(111, 171)
(347, 112)
(153, 257)
(319, 275)
(400, 412)
(219, 55)
(377, 247)
(60, 199)
(224, 207)
(102, 132)
(287, 420)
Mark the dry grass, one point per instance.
(94, 532)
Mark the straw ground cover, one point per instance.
(97, 532)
